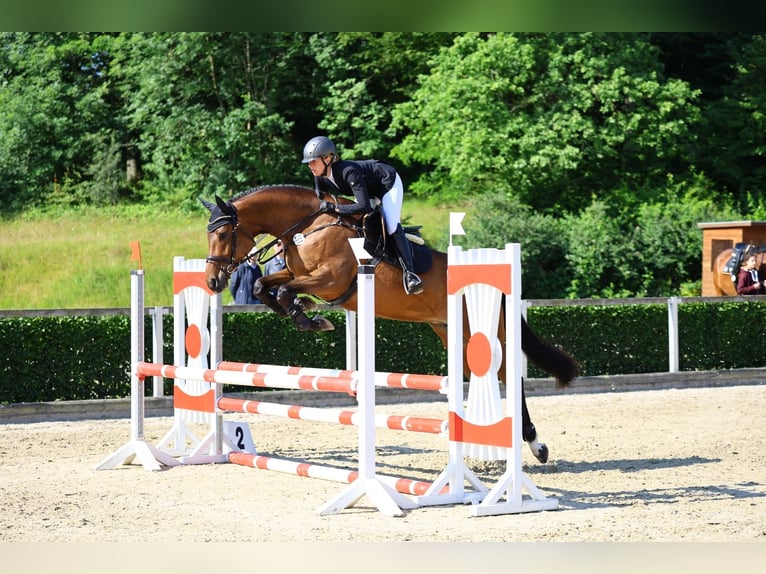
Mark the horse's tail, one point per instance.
(549, 358)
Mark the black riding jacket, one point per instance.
(363, 179)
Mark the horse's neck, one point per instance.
(276, 211)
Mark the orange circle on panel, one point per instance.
(193, 341)
(479, 354)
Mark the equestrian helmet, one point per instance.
(318, 146)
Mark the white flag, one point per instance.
(357, 246)
(455, 223)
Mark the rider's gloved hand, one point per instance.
(327, 207)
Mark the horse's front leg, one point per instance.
(286, 298)
(529, 432)
(263, 286)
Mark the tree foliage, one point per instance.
(550, 117)
(600, 151)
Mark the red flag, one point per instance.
(135, 255)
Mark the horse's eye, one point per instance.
(223, 235)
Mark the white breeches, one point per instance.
(392, 205)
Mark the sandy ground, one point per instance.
(664, 465)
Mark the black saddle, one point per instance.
(381, 250)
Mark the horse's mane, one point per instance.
(276, 187)
(282, 187)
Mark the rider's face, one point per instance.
(317, 166)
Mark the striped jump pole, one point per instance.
(264, 380)
(389, 380)
(336, 416)
(401, 485)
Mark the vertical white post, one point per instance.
(513, 369)
(366, 359)
(151, 457)
(158, 352)
(216, 356)
(385, 498)
(456, 398)
(673, 363)
(136, 354)
(351, 337)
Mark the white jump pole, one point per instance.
(149, 455)
(384, 497)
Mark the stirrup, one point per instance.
(413, 285)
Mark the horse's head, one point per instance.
(228, 243)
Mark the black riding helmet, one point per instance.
(318, 146)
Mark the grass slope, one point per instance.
(81, 258)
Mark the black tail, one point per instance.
(549, 358)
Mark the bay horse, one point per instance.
(722, 280)
(321, 263)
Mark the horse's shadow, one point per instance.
(622, 464)
(574, 499)
(571, 499)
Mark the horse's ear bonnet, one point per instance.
(223, 213)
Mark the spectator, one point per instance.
(275, 264)
(749, 281)
(242, 282)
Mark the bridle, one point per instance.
(230, 264)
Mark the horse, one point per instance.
(320, 263)
(722, 279)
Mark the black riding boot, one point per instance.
(412, 283)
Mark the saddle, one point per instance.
(375, 243)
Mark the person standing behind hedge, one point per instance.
(242, 282)
(276, 263)
(749, 281)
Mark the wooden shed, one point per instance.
(718, 236)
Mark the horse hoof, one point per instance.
(542, 454)
(319, 323)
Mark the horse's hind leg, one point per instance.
(529, 432)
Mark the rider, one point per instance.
(364, 179)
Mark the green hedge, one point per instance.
(75, 358)
(69, 358)
(64, 358)
(622, 339)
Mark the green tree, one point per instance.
(366, 74)
(495, 219)
(735, 146)
(56, 104)
(668, 241)
(204, 110)
(552, 118)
